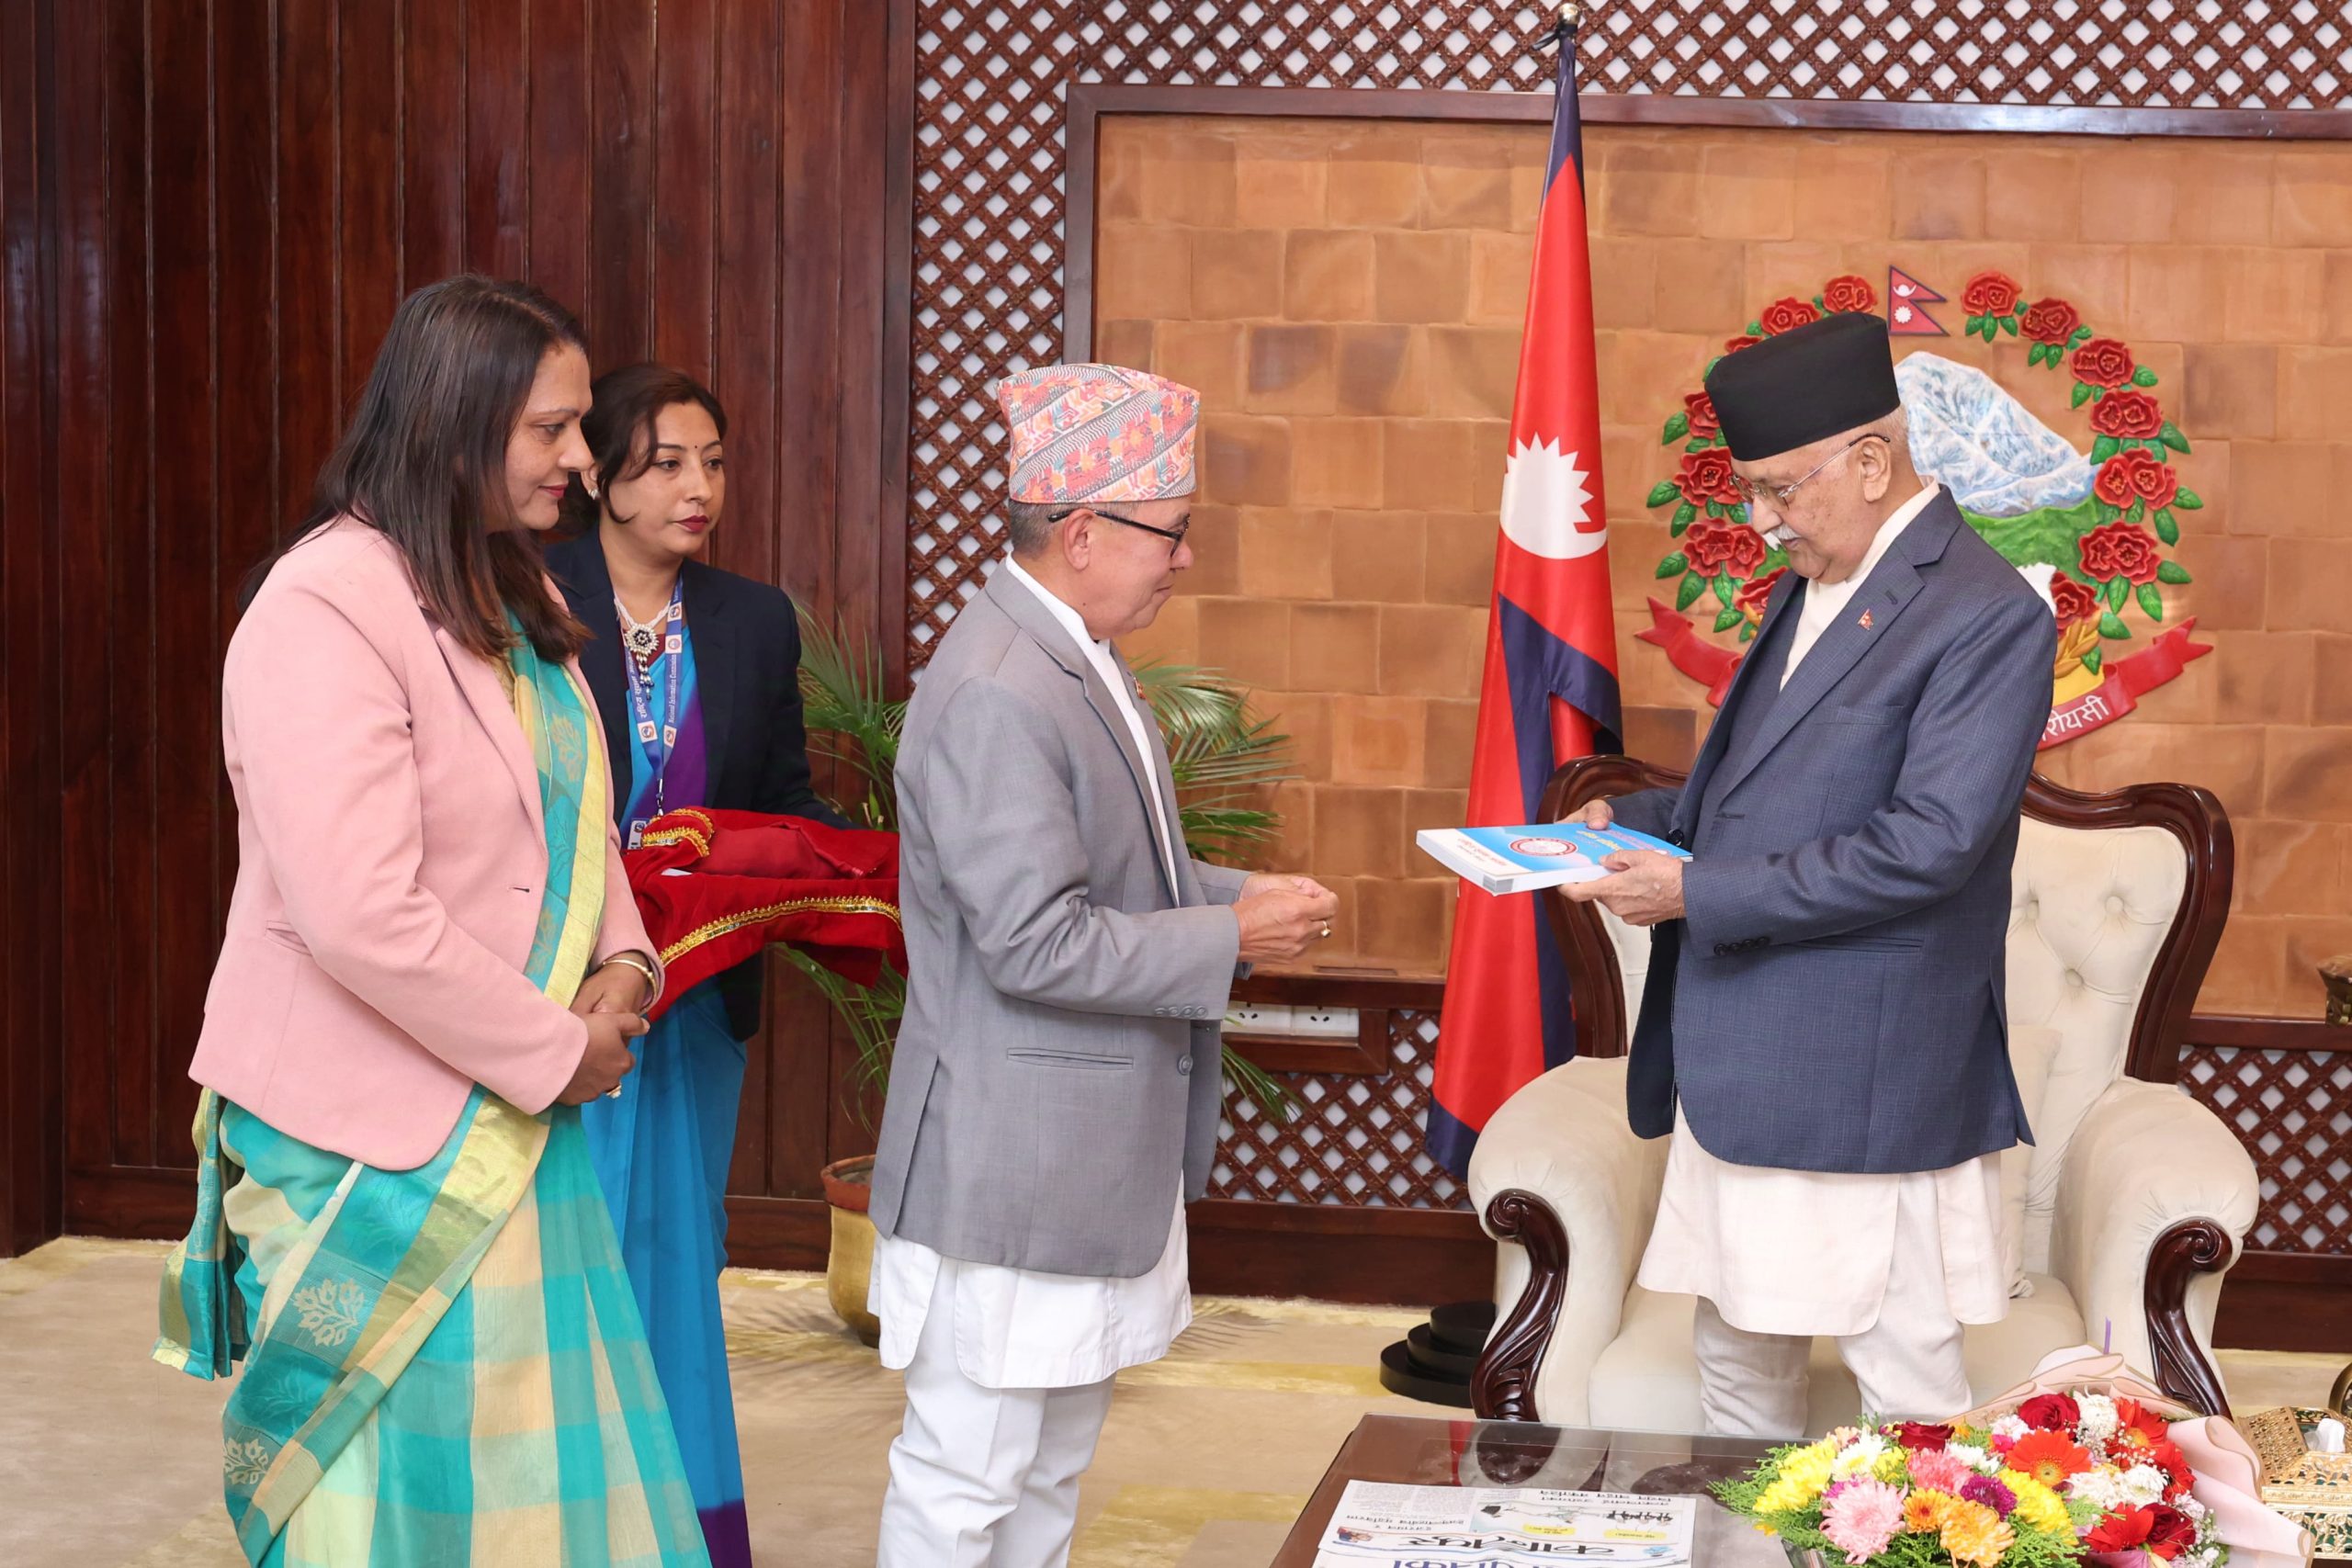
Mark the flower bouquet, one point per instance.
(2084, 1464)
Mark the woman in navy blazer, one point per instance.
(697, 672)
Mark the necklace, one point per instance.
(643, 640)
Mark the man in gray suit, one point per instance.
(1823, 1031)
(1055, 1094)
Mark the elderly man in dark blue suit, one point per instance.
(1823, 1031)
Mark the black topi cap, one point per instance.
(1806, 385)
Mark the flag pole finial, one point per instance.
(1571, 18)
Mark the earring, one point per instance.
(588, 483)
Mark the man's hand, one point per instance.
(615, 987)
(1281, 916)
(1646, 888)
(607, 1059)
(1597, 814)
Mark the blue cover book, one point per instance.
(1549, 854)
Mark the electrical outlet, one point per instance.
(1324, 1024)
(1258, 1017)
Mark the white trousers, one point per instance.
(985, 1477)
(1907, 1363)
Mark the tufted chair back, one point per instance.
(2116, 904)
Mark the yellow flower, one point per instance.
(2037, 1504)
(1808, 1470)
(1924, 1510)
(1974, 1534)
(1888, 1467)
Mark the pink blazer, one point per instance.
(390, 862)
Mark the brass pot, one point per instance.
(849, 1261)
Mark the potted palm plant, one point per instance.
(1223, 757)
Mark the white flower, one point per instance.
(2143, 1484)
(1974, 1458)
(2011, 1428)
(2099, 1420)
(2103, 1487)
(1858, 1456)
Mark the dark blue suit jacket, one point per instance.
(747, 668)
(1832, 998)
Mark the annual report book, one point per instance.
(1384, 1526)
(1546, 854)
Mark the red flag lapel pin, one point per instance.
(1866, 620)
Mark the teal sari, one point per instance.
(443, 1366)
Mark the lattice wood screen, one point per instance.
(2293, 1112)
(988, 154)
(1353, 1141)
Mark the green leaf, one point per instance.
(1710, 370)
(2097, 393)
(1676, 429)
(1685, 514)
(2082, 335)
(2152, 602)
(2033, 354)
(2171, 436)
(2112, 627)
(2168, 529)
(2117, 587)
(2187, 500)
(1746, 629)
(2171, 572)
(1738, 512)
(1728, 619)
(1774, 562)
(2106, 514)
(1714, 509)
(2094, 658)
(1699, 444)
(2009, 326)
(1692, 586)
(1819, 303)
(1673, 564)
(2082, 395)
(1664, 491)
(1755, 329)
(2139, 510)
(2103, 448)
(2143, 376)
(1723, 587)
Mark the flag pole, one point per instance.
(1571, 19)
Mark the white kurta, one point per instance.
(1808, 1252)
(1018, 1328)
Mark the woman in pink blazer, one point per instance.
(431, 959)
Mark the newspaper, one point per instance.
(1381, 1525)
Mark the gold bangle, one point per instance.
(652, 982)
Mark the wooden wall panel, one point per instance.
(212, 211)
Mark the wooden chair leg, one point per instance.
(2186, 1250)
(1503, 1386)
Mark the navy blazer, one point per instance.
(747, 670)
(1832, 999)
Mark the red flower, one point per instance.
(2050, 1412)
(1991, 294)
(2165, 1455)
(1749, 601)
(2050, 1455)
(1702, 410)
(1850, 293)
(2050, 321)
(2120, 549)
(1715, 547)
(2103, 362)
(2136, 1426)
(1787, 315)
(2128, 415)
(1918, 1436)
(2074, 602)
(1733, 345)
(2132, 476)
(1705, 477)
(2158, 1531)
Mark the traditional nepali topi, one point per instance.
(1090, 432)
(1820, 380)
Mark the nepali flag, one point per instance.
(1550, 689)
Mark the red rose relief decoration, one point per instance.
(2096, 559)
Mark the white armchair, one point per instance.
(2122, 1217)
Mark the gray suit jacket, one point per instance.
(1832, 999)
(1058, 1067)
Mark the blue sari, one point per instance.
(661, 1153)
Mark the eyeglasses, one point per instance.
(1781, 494)
(1175, 536)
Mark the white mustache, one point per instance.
(1779, 538)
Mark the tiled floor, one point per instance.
(107, 1459)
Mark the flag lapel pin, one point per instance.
(1866, 620)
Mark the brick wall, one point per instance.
(1347, 296)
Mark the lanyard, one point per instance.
(657, 738)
